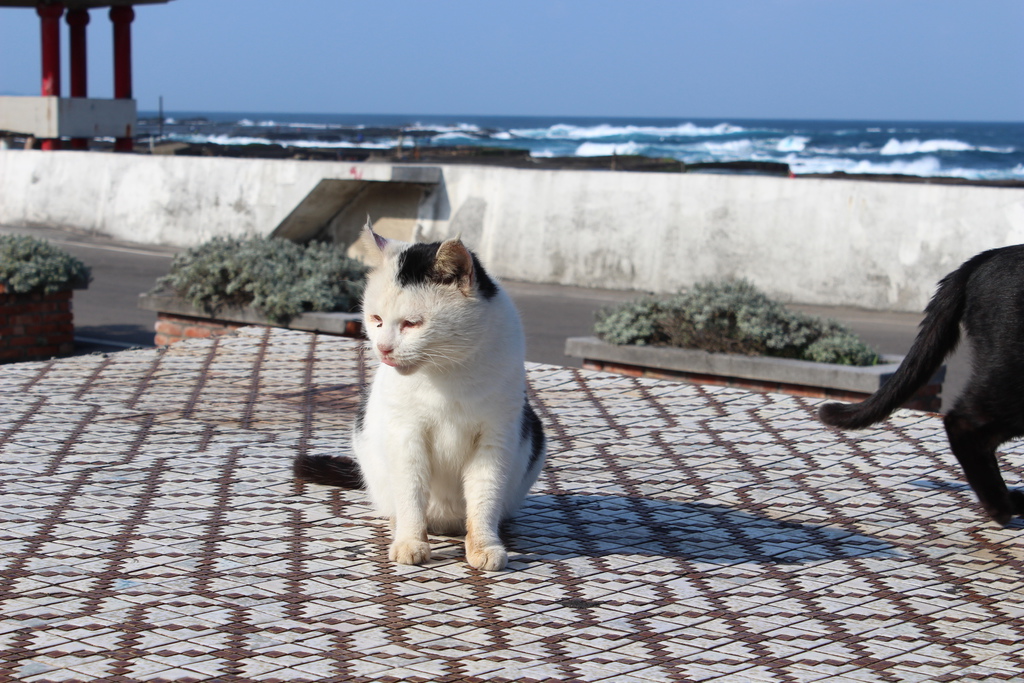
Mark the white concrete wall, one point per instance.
(175, 201)
(871, 244)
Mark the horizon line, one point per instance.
(721, 119)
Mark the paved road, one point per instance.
(107, 318)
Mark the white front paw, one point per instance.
(490, 559)
(409, 551)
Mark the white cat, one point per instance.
(446, 439)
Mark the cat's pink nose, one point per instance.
(385, 349)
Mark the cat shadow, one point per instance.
(549, 526)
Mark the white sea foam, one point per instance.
(564, 131)
(863, 149)
(740, 147)
(270, 123)
(894, 147)
(386, 144)
(604, 149)
(792, 143)
(223, 139)
(247, 140)
(453, 136)
(924, 167)
(457, 128)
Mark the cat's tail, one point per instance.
(328, 471)
(938, 336)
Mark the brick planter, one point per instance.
(177, 320)
(757, 373)
(35, 326)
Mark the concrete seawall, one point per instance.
(877, 245)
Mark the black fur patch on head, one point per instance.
(531, 428)
(416, 264)
(416, 267)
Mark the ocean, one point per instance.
(972, 151)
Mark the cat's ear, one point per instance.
(373, 245)
(454, 265)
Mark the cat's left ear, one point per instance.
(454, 265)
(373, 245)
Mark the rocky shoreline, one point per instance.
(520, 158)
(496, 156)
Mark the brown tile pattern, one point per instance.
(150, 530)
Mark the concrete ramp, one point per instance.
(323, 203)
(332, 196)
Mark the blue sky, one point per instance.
(835, 59)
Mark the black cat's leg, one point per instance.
(1017, 500)
(974, 444)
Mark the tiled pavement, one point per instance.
(151, 530)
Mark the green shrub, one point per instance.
(634, 322)
(277, 277)
(29, 265)
(731, 317)
(842, 348)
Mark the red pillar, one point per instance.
(122, 16)
(49, 21)
(77, 20)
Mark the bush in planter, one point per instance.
(29, 265)
(36, 279)
(276, 277)
(633, 322)
(732, 317)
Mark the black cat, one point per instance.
(986, 294)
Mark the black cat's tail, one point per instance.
(328, 471)
(937, 338)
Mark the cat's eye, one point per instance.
(406, 324)
(376, 320)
